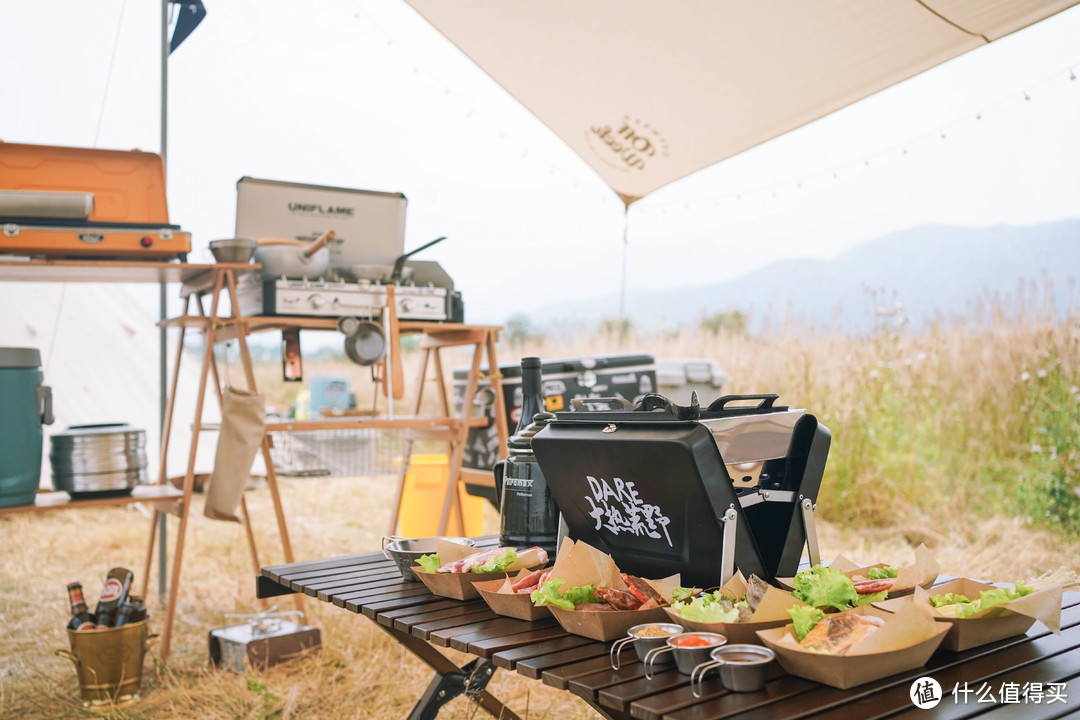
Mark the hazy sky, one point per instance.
(365, 94)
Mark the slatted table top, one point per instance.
(370, 585)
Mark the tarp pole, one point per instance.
(622, 282)
(163, 544)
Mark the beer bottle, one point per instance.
(113, 594)
(140, 609)
(126, 613)
(81, 619)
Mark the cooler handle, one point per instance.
(767, 400)
(43, 397)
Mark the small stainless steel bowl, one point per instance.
(743, 668)
(233, 250)
(405, 552)
(687, 657)
(644, 643)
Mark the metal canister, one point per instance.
(528, 513)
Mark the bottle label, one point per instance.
(111, 590)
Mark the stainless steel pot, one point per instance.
(293, 258)
(98, 459)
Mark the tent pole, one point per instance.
(163, 544)
(622, 282)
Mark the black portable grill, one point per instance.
(666, 489)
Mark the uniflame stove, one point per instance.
(666, 489)
(428, 296)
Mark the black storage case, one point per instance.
(650, 488)
(627, 376)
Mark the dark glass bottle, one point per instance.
(113, 594)
(140, 609)
(532, 392)
(81, 619)
(128, 612)
(528, 514)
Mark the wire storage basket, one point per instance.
(337, 453)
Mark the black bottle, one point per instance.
(532, 392)
(528, 514)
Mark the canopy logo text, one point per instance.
(628, 144)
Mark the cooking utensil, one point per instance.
(743, 668)
(365, 342)
(396, 275)
(293, 258)
(406, 552)
(645, 638)
(687, 657)
(374, 273)
(98, 459)
(233, 250)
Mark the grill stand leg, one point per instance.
(450, 680)
(727, 553)
(807, 509)
(471, 680)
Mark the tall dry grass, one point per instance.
(963, 436)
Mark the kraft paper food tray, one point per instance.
(770, 613)
(997, 623)
(906, 641)
(459, 586)
(923, 572)
(497, 595)
(604, 625)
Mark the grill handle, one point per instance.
(767, 401)
(579, 404)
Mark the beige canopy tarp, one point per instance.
(648, 91)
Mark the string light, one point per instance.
(770, 191)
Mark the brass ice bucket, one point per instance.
(109, 662)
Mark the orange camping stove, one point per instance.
(81, 202)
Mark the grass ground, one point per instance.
(359, 673)
(964, 436)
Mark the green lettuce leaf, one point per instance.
(497, 563)
(1022, 590)
(948, 599)
(824, 587)
(430, 563)
(992, 598)
(548, 594)
(882, 573)
(682, 593)
(871, 598)
(804, 619)
(705, 609)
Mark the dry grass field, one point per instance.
(964, 436)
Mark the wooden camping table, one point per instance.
(370, 585)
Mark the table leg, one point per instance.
(451, 502)
(450, 680)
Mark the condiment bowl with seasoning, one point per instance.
(645, 637)
(743, 668)
(689, 649)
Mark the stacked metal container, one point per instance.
(98, 459)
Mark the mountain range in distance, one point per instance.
(921, 274)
